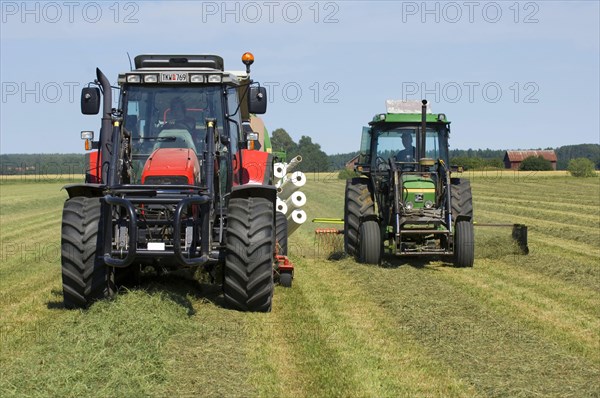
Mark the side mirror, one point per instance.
(257, 100)
(90, 100)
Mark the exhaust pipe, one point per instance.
(106, 129)
(423, 132)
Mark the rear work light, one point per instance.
(150, 78)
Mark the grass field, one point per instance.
(513, 325)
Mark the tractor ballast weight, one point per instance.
(406, 201)
(175, 182)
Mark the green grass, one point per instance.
(513, 325)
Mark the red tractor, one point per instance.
(175, 181)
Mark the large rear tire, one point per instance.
(250, 242)
(358, 204)
(281, 232)
(370, 244)
(462, 199)
(84, 273)
(464, 244)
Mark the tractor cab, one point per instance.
(166, 101)
(405, 197)
(396, 137)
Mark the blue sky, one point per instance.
(510, 75)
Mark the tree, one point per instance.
(581, 167)
(468, 163)
(496, 163)
(313, 158)
(282, 142)
(565, 153)
(339, 160)
(535, 163)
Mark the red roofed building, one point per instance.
(352, 162)
(513, 159)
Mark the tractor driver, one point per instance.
(408, 153)
(178, 116)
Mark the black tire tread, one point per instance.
(83, 273)
(285, 279)
(281, 233)
(250, 241)
(464, 244)
(358, 203)
(370, 242)
(462, 198)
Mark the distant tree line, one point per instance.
(65, 164)
(472, 159)
(589, 151)
(314, 158)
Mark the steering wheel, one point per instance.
(381, 163)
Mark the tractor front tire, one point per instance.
(358, 203)
(250, 243)
(464, 244)
(370, 245)
(281, 232)
(462, 214)
(84, 274)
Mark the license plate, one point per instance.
(173, 77)
(156, 246)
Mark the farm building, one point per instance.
(350, 164)
(513, 159)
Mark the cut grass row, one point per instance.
(511, 326)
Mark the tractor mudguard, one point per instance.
(268, 192)
(85, 190)
(93, 172)
(256, 167)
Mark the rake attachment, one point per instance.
(329, 241)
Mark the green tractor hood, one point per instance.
(418, 191)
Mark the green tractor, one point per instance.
(405, 201)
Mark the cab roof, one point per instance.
(407, 111)
(408, 118)
(200, 61)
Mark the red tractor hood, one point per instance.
(172, 166)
